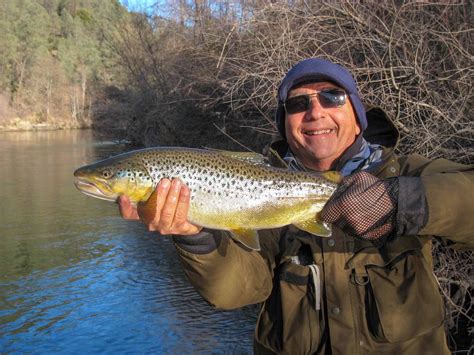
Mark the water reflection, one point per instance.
(75, 277)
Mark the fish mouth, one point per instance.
(91, 189)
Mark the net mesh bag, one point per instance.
(364, 206)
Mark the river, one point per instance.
(76, 278)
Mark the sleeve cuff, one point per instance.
(203, 242)
(412, 213)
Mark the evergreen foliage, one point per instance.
(54, 58)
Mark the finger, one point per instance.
(127, 210)
(182, 208)
(171, 203)
(150, 211)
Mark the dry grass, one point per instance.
(413, 60)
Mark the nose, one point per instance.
(315, 111)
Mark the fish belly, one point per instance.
(236, 214)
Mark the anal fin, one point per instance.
(315, 226)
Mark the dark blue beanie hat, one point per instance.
(314, 70)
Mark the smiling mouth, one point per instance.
(317, 132)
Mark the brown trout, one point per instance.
(230, 191)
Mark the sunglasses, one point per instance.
(330, 98)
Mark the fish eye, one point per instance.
(106, 173)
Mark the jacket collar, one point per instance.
(380, 129)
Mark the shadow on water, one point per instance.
(75, 277)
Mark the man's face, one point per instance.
(320, 135)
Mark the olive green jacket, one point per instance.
(356, 299)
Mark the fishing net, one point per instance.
(364, 206)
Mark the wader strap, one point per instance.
(317, 285)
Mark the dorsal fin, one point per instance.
(249, 157)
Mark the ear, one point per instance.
(357, 129)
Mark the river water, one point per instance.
(76, 278)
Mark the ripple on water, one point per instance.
(76, 278)
(140, 289)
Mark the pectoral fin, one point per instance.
(247, 237)
(315, 226)
(148, 208)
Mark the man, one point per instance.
(369, 288)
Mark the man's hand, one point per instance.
(365, 207)
(166, 211)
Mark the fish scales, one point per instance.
(213, 177)
(227, 192)
(233, 176)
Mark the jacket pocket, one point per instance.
(402, 297)
(289, 321)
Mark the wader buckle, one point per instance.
(359, 276)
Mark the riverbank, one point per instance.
(19, 125)
(22, 125)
